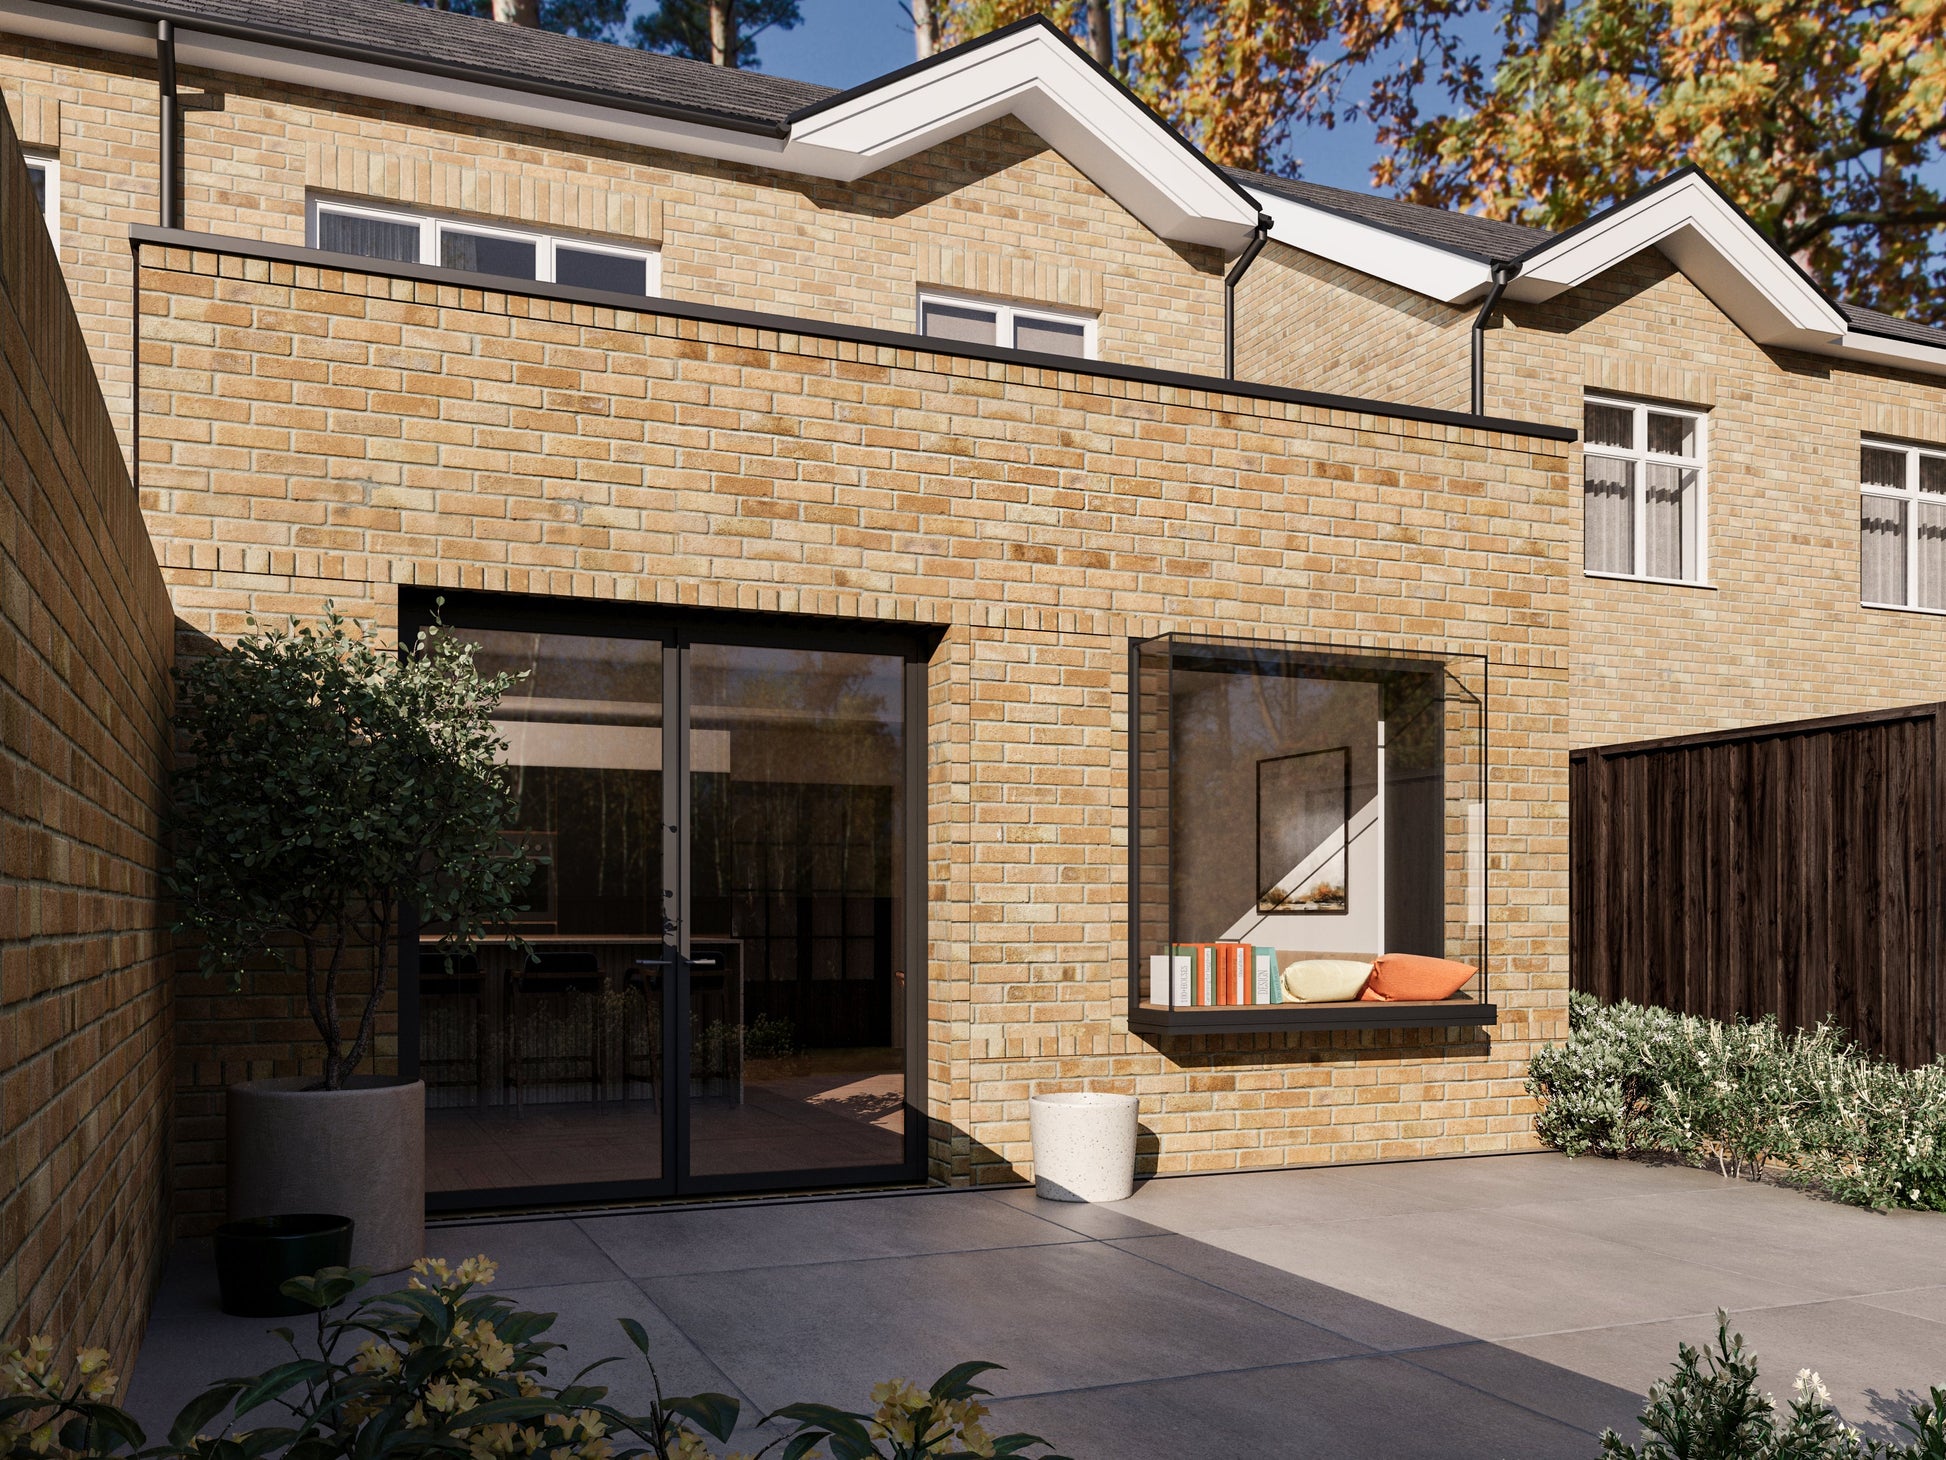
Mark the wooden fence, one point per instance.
(1793, 869)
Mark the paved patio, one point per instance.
(1499, 1307)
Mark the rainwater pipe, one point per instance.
(1503, 275)
(1230, 282)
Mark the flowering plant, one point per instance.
(442, 1371)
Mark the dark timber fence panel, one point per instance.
(1791, 869)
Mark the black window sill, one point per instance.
(1255, 1019)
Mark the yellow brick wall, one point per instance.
(1780, 633)
(994, 212)
(413, 434)
(1307, 322)
(85, 643)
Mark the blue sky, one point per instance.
(844, 42)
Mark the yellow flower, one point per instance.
(480, 1269)
(495, 1355)
(376, 1357)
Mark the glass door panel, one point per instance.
(797, 910)
(546, 1071)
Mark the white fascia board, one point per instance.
(1701, 234)
(1880, 350)
(1071, 106)
(1438, 273)
(1032, 75)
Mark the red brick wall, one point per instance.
(85, 644)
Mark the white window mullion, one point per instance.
(1639, 443)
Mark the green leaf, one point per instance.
(636, 1335)
(715, 1414)
(955, 1382)
(275, 1382)
(202, 1409)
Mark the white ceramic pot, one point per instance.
(1084, 1146)
(358, 1152)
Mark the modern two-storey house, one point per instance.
(966, 550)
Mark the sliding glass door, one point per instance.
(721, 990)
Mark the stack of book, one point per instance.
(1215, 975)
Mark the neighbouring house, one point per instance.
(958, 569)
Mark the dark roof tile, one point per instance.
(1467, 233)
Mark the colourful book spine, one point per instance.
(1273, 975)
(1181, 979)
(1205, 975)
(1263, 961)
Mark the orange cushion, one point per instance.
(1413, 977)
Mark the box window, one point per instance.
(503, 253)
(1300, 806)
(1642, 491)
(1016, 326)
(1902, 526)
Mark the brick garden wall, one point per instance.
(310, 434)
(85, 642)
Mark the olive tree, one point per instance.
(327, 783)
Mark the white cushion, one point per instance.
(1326, 980)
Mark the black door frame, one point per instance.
(677, 629)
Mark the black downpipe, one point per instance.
(165, 62)
(1503, 275)
(1230, 281)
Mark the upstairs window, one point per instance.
(480, 248)
(44, 175)
(1012, 326)
(1902, 526)
(1642, 491)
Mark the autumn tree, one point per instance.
(722, 32)
(1822, 119)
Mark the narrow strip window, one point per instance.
(479, 248)
(1901, 526)
(1014, 326)
(44, 176)
(1642, 491)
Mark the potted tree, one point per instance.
(329, 786)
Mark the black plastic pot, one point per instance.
(256, 1256)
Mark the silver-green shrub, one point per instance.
(1746, 1096)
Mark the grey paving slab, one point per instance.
(529, 1254)
(1493, 1280)
(1587, 1403)
(1918, 1302)
(1333, 1309)
(1874, 1362)
(1087, 1219)
(719, 1239)
(1374, 1406)
(1494, 1181)
(1263, 1198)
(588, 1322)
(1824, 1248)
(1058, 1317)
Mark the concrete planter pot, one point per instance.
(1084, 1146)
(359, 1152)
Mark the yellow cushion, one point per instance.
(1326, 980)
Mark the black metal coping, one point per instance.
(1261, 1019)
(284, 253)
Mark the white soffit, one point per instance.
(1698, 231)
(1031, 74)
(1437, 273)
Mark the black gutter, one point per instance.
(169, 187)
(1230, 282)
(408, 61)
(784, 324)
(1502, 276)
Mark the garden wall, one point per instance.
(1789, 869)
(85, 643)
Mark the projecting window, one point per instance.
(1297, 813)
(44, 173)
(1642, 491)
(1015, 326)
(1902, 526)
(478, 248)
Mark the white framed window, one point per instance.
(1013, 326)
(1644, 491)
(45, 175)
(483, 248)
(1901, 526)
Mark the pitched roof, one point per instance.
(1481, 238)
(1490, 240)
(444, 42)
